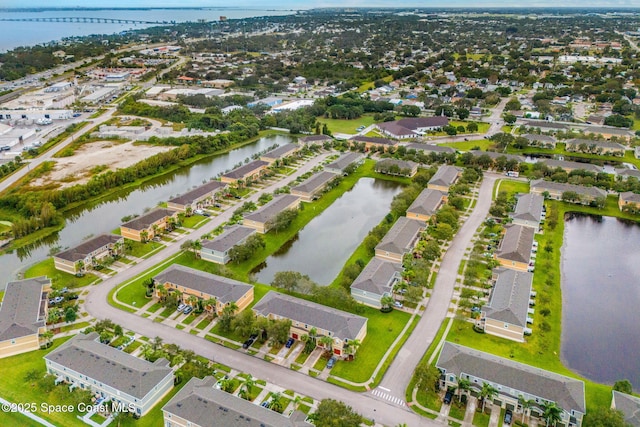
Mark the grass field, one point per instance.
(139, 249)
(346, 126)
(59, 279)
(510, 186)
(484, 144)
(195, 221)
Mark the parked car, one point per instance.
(205, 213)
(198, 211)
(181, 307)
(331, 362)
(248, 343)
(289, 343)
(508, 416)
(265, 404)
(188, 309)
(447, 397)
(398, 304)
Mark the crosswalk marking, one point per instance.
(387, 396)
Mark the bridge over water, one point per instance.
(88, 20)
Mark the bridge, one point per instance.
(88, 20)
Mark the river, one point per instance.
(322, 247)
(600, 298)
(105, 215)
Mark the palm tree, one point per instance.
(352, 346)
(552, 413)
(245, 390)
(192, 300)
(488, 392)
(296, 401)
(313, 334)
(144, 236)
(327, 342)
(155, 229)
(387, 301)
(275, 404)
(162, 292)
(463, 385)
(46, 336)
(210, 305)
(526, 406)
(188, 211)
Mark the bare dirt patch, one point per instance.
(96, 157)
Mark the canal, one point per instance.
(322, 247)
(600, 298)
(105, 215)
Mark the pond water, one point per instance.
(322, 247)
(601, 296)
(105, 215)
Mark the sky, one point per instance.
(308, 4)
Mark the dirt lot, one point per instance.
(90, 158)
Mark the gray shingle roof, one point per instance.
(629, 406)
(108, 365)
(402, 164)
(545, 124)
(529, 207)
(431, 147)
(345, 160)
(539, 138)
(201, 404)
(144, 221)
(314, 139)
(446, 176)
(224, 289)
(401, 236)
(282, 151)
(314, 182)
(341, 324)
(567, 392)
(589, 142)
(564, 164)
(196, 193)
(608, 130)
(427, 202)
(85, 248)
(542, 186)
(412, 125)
(272, 209)
(377, 277)
(516, 243)
(374, 140)
(231, 237)
(628, 172)
(240, 172)
(509, 300)
(494, 155)
(630, 196)
(22, 309)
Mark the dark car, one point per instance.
(447, 397)
(508, 416)
(289, 343)
(248, 343)
(331, 362)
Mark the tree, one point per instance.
(70, 315)
(510, 118)
(604, 417)
(414, 294)
(462, 113)
(463, 386)
(47, 335)
(488, 392)
(526, 406)
(623, 386)
(228, 312)
(283, 220)
(427, 376)
(352, 346)
(144, 236)
(333, 413)
(275, 404)
(244, 323)
(551, 412)
(246, 387)
(327, 342)
(472, 127)
(387, 301)
(513, 105)
(278, 331)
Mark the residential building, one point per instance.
(626, 173)
(608, 132)
(110, 373)
(314, 139)
(313, 186)
(23, 315)
(444, 178)
(396, 167)
(280, 153)
(344, 161)
(147, 226)
(251, 171)
(373, 142)
(205, 287)
(629, 406)
(569, 166)
(197, 198)
(375, 281)
(306, 315)
(514, 250)
(262, 219)
(597, 147)
(629, 199)
(217, 250)
(201, 404)
(545, 125)
(512, 380)
(431, 148)
(495, 155)
(412, 127)
(507, 312)
(542, 141)
(88, 254)
(554, 190)
(426, 204)
(400, 239)
(529, 210)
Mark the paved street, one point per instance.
(398, 376)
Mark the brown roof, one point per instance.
(85, 248)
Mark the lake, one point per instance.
(600, 298)
(105, 215)
(322, 247)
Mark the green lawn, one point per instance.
(457, 410)
(346, 126)
(510, 186)
(483, 144)
(59, 279)
(382, 330)
(395, 351)
(139, 249)
(203, 324)
(195, 221)
(483, 127)
(480, 419)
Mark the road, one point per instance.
(397, 378)
(32, 164)
(496, 118)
